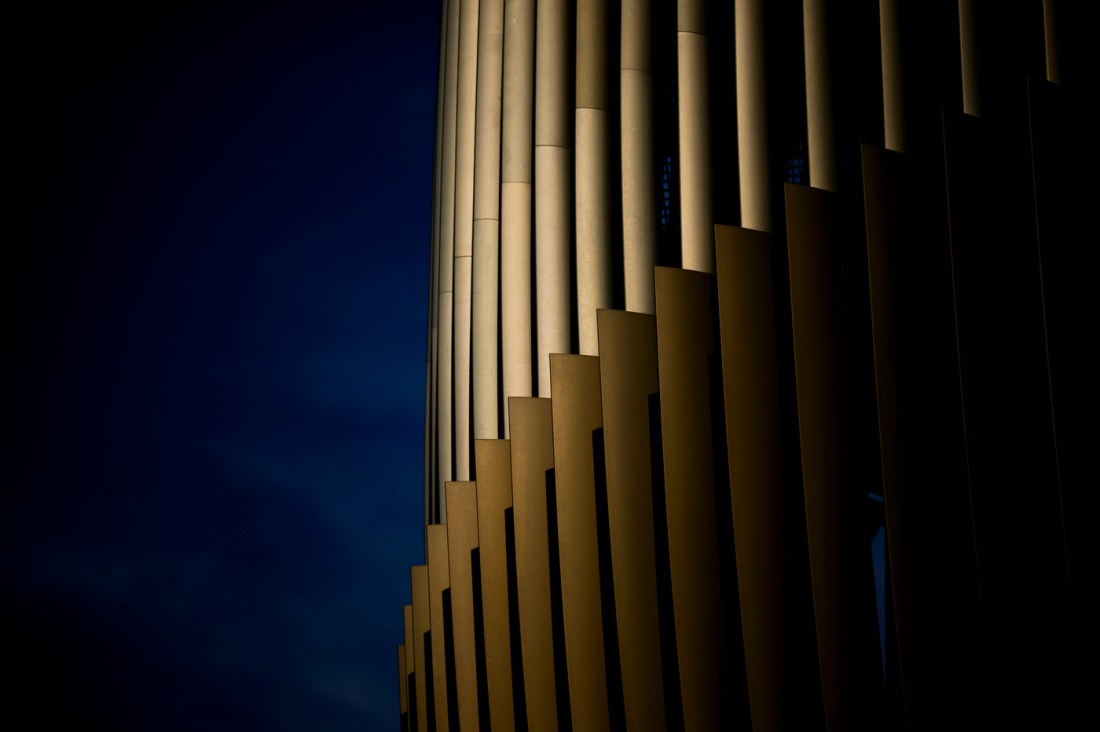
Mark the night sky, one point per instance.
(214, 299)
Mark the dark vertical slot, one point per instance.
(561, 674)
(519, 694)
(722, 95)
(786, 111)
(1009, 433)
(857, 85)
(615, 704)
(501, 399)
(449, 652)
(479, 643)
(931, 569)
(413, 719)
(736, 710)
(615, 147)
(674, 705)
(429, 681)
(666, 140)
(404, 722)
(534, 282)
(1063, 208)
(571, 94)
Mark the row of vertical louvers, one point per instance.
(672, 527)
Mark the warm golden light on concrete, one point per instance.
(576, 415)
(553, 183)
(813, 470)
(438, 582)
(486, 266)
(517, 173)
(461, 541)
(532, 456)
(494, 499)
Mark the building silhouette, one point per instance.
(718, 292)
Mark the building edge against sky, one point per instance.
(719, 293)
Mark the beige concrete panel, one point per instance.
(410, 657)
(494, 496)
(691, 16)
(486, 285)
(776, 614)
(929, 530)
(490, 55)
(444, 434)
(840, 571)
(402, 684)
(517, 124)
(635, 46)
(553, 74)
(461, 540)
(593, 206)
(439, 574)
(685, 339)
(820, 119)
(592, 53)
(410, 660)
(462, 315)
(553, 187)
(421, 625)
(515, 291)
(429, 456)
(752, 116)
(968, 51)
(639, 183)
(696, 217)
(576, 414)
(532, 446)
(628, 376)
(893, 91)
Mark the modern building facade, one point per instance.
(719, 290)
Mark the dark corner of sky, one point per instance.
(214, 309)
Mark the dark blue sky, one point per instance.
(214, 299)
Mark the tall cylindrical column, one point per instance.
(820, 120)
(593, 184)
(445, 271)
(752, 116)
(696, 217)
(893, 105)
(515, 192)
(464, 230)
(486, 278)
(553, 183)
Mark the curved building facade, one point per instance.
(754, 349)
